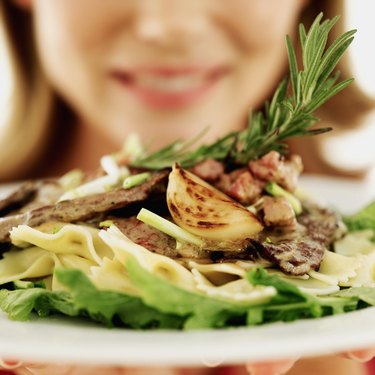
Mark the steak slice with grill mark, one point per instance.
(304, 250)
(30, 195)
(21, 196)
(146, 236)
(295, 257)
(86, 208)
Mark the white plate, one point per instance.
(65, 340)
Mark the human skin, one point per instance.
(165, 69)
(324, 366)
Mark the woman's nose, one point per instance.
(169, 23)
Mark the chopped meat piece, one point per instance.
(289, 172)
(245, 189)
(278, 212)
(85, 208)
(209, 170)
(266, 168)
(271, 167)
(237, 172)
(226, 179)
(224, 182)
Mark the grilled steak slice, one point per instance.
(146, 236)
(85, 208)
(303, 249)
(295, 257)
(30, 195)
(21, 196)
(157, 241)
(322, 224)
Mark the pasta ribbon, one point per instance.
(236, 291)
(32, 262)
(79, 240)
(112, 275)
(219, 273)
(355, 243)
(365, 275)
(157, 264)
(336, 268)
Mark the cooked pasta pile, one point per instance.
(101, 255)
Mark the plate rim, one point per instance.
(332, 334)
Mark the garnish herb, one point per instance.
(289, 114)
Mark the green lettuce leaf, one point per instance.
(201, 311)
(19, 304)
(291, 303)
(364, 219)
(364, 294)
(198, 310)
(164, 305)
(83, 299)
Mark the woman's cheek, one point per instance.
(260, 24)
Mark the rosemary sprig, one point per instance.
(289, 114)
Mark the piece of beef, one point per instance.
(295, 257)
(240, 185)
(146, 236)
(18, 198)
(226, 179)
(278, 212)
(209, 170)
(245, 189)
(298, 251)
(157, 241)
(30, 195)
(272, 167)
(86, 208)
(321, 223)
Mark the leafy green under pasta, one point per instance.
(364, 219)
(164, 305)
(82, 298)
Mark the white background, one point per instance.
(361, 16)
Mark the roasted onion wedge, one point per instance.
(208, 213)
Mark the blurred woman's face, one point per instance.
(164, 68)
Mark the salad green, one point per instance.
(364, 219)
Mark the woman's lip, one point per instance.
(166, 87)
